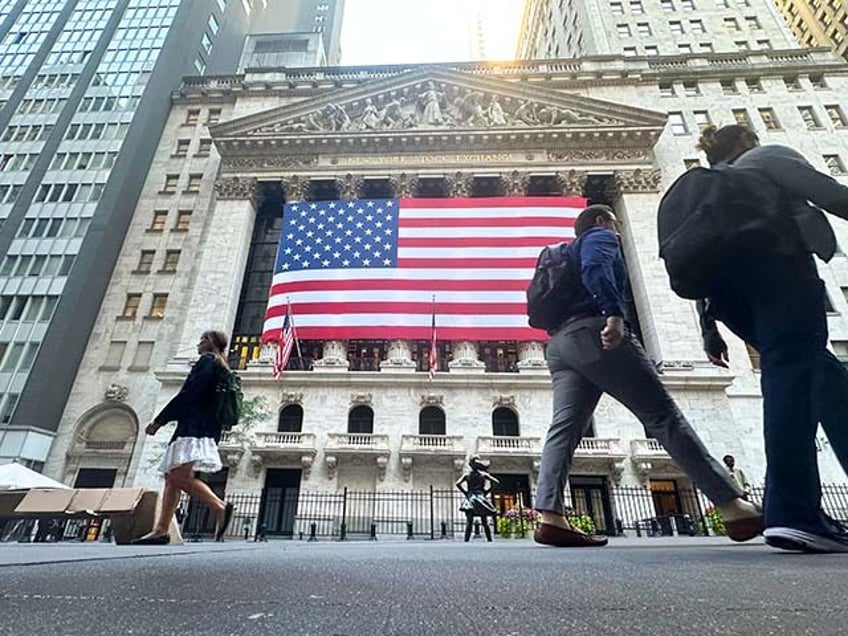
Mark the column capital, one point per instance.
(571, 182)
(458, 184)
(350, 186)
(404, 185)
(638, 180)
(230, 188)
(515, 183)
(296, 187)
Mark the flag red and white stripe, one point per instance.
(476, 255)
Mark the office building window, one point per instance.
(192, 115)
(697, 26)
(809, 116)
(651, 50)
(172, 259)
(742, 45)
(676, 27)
(213, 117)
(183, 221)
(702, 119)
(742, 118)
(194, 181)
(677, 124)
(158, 222)
(728, 87)
(691, 163)
(213, 24)
(145, 262)
(834, 164)
(754, 85)
(204, 148)
(667, 90)
(182, 147)
(157, 307)
(753, 23)
(688, 5)
(818, 82)
(769, 119)
(131, 305)
(170, 185)
(629, 51)
(644, 29)
(141, 359)
(792, 83)
(115, 354)
(667, 5)
(690, 89)
(836, 115)
(732, 25)
(764, 45)
(636, 7)
(623, 30)
(706, 47)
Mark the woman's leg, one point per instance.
(485, 521)
(469, 523)
(170, 501)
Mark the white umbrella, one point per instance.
(19, 477)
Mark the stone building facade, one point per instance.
(615, 130)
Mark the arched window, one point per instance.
(431, 421)
(291, 419)
(504, 422)
(360, 420)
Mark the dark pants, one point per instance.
(784, 318)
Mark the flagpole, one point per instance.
(294, 330)
(433, 354)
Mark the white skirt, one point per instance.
(202, 452)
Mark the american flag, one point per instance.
(369, 269)
(285, 342)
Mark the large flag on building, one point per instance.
(370, 268)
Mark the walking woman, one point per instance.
(194, 444)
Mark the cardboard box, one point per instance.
(87, 500)
(45, 501)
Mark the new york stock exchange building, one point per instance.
(355, 430)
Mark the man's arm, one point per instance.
(714, 345)
(796, 175)
(598, 254)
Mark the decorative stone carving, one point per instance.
(361, 398)
(382, 462)
(431, 399)
(291, 398)
(333, 357)
(272, 162)
(459, 464)
(571, 182)
(332, 462)
(433, 105)
(458, 185)
(515, 183)
(643, 470)
(297, 188)
(398, 357)
(404, 185)
(637, 180)
(616, 470)
(676, 365)
(406, 467)
(531, 355)
(256, 463)
(237, 188)
(232, 457)
(306, 462)
(465, 356)
(504, 400)
(537, 464)
(600, 155)
(349, 186)
(116, 393)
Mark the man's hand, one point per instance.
(613, 332)
(716, 349)
(152, 428)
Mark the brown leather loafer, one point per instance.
(546, 534)
(744, 529)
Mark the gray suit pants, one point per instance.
(581, 371)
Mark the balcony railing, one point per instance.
(647, 448)
(435, 444)
(357, 442)
(600, 447)
(509, 445)
(284, 440)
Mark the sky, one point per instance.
(414, 31)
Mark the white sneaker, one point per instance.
(799, 540)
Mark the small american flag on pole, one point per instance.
(434, 354)
(285, 342)
(368, 268)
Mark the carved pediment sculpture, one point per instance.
(116, 393)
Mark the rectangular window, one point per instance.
(170, 185)
(115, 354)
(145, 262)
(33, 308)
(204, 148)
(690, 89)
(764, 45)
(214, 116)
(13, 356)
(182, 147)
(769, 119)
(131, 305)
(192, 115)
(644, 29)
(753, 23)
(818, 81)
(629, 51)
(651, 50)
(809, 116)
(728, 87)
(676, 27)
(183, 221)
(667, 5)
(691, 163)
(636, 7)
(617, 8)
(158, 222)
(9, 407)
(143, 353)
(754, 86)
(194, 181)
(697, 26)
(157, 308)
(677, 124)
(836, 115)
(688, 5)
(623, 30)
(742, 45)
(792, 83)
(702, 119)
(834, 164)
(172, 259)
(741, 117)
(732, 25)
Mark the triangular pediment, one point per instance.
(433, 100)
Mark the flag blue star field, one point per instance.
(369, 268)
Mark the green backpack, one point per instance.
(227, 400)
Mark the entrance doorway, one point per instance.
(512, 492)
(590, 496)
(279, 501)
(666, 498)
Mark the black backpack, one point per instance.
(227, 399)
(709, 219)
(554, 283)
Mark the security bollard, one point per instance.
(313, 529)
(246, 532)
(373, 536)
(477, 530)
(409, 530)
(638, 529)
(343, 532)
(444, 531)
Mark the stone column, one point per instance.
(515, 183)
(531, 358)
(458, 184)
(669, 324)
(296, 188)
(398, 357)
(218, 275)
(333, 356)
(404, 185)
(572, 182)
(465, 358)
(350, 186)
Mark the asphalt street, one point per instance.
(510, 587)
